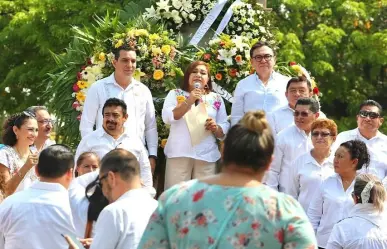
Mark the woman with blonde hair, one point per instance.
(366, 226)
(232, 209)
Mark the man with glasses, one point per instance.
(137, 96)
(45, 125)
(121, 224)
(297, 87)
(292, 142)
(112, 135)
(263, 90)
(369, 120)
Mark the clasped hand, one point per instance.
(211, 125)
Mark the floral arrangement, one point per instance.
(250, 20)
(229, 57)
(301, 71)
(179, 12)
(155, 64)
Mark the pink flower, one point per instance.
(217, 105)
(79, 76)
(76, 87)
(79, 117)
(75, 105)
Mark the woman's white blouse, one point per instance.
(179, 140)
(305, 177)
(330, 205)
(364, 228)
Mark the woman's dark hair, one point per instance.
(250, 143)
(97, 201)
(358, 150)
(191, 67)
(82, 157)
(377, 192)
(9, 137)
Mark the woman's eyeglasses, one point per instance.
(372, 115)
(322, 134)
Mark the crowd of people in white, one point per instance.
(103, 196)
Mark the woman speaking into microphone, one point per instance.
(191, 149)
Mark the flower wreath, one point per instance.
(301, 71)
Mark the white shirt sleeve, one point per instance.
(151, 134)
(315, 210)
(294, 181)
(237, 110)
(89, 113)
(222, 118)
(107, 233)
(270, 119)
(275, 167)
(335, 239)
(82, 147)
(170, 104)
(145, 169)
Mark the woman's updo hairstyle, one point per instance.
(9, 137)
(371, 189)
(358, 150)
(250, 143)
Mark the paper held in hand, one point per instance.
(195, 120)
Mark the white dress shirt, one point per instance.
(122, 223)
(306, 176)
(377, 148)
(283, 117)
(291, 143)
(251, 95)
(101, 143)
(36, 217)
(179, 140)
(330, 204)
(365, 228)
(140, 107)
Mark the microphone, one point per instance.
(197, 85)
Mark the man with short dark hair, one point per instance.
(45, 125)
(369, 120)
(113, 135)
(292, 142)
(36, 217)
(297, 87)
(138, 98)
(122, 223)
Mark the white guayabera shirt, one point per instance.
(141, 111)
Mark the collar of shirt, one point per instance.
(132, 193)
(272, 77)
(379, 135)
(311, 159)
(338, 177)
(102, 132)
(367, 211)
(302, 132)
(112, 80)
(56, 187)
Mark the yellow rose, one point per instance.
(141, 32)
(102, 56)
(82, 84)
(154, 37)
(298, 69)
(119, 43)
(163, 143)
(166, 49)
(180, 99)
(156, 51)
(158, 74)
(80, 96)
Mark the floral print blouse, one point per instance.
(195, 215)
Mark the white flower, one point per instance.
(247, 54)
(214, 41)
(163, 5)
(151, 13)
(184, 14)
(239, 28)
(176, 4)
(239, 44)
(187, 5)
(236, 19)
(192, 17)
(226, 55)
(7, 90)
(250, 20)
(246, 27)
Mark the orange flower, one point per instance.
(206, 57)
(163, 143)
(355, 23)
(368, 25)
(238, 58)
(218, 76)
(233, 72)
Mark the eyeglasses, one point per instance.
(99, 180)
(23, 115)
(322, 134)
(259, 58)
(303, 114)
(372, 115)
(47, 121)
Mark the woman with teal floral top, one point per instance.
(232, 210)
(187, 160)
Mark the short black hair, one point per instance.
(358, 149)
(122, 162)
(370, 102)
(55, 161)
(299, 79)
(311, 102)
(259, 45)
(125, 47)
(115, 102)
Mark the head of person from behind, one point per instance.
(56, 164)
(249, 146)
(324, 132)
(369, 189)
(297, 87)
(305, 113)
(119, 172)
(115, 115)
(87, 162)
(45, 123)
(369, 118)
(124, 61)
(263, 59)
(351, 156)
(20, 130)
